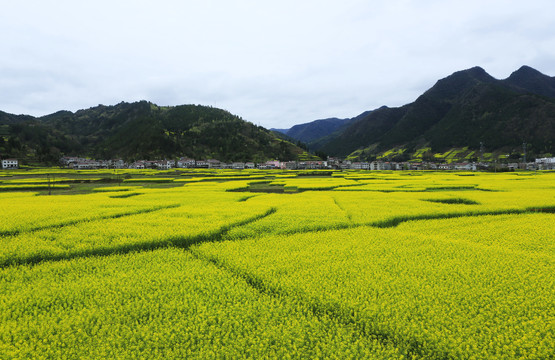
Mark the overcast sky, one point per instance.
(274, 63)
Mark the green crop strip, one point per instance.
(454, 201)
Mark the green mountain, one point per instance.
(462, 110)
(140, 130)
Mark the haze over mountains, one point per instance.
(463, 110)
(314, 130)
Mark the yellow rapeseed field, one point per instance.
(255, 264)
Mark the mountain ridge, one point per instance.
(531, 80)
(316, 129)
(464, 109)
(467, 109)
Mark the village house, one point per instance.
(415, 166)
(82, 163)
(291, 165)
(186, 163)
(151, 164)
(360, 166)
(545, 163)
(68, 160)
(85, 164)
(377, 165)
(314, 165)
(214, 164)
(203, 164)
(465, 166)
(512, 166)
(345, 165)
(118, 164)
(10, 164)
(104, 164)
(529, 166)
(165, 164)
(274, 164)
(137, 165)
(311, 165)
(393, 166)
(333, 162)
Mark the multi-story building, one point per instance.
(10, 164)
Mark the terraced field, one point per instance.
(258, 264)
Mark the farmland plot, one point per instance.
(353, 265)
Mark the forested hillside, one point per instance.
(141, 130)
(462, 110)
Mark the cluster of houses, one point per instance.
(331, 163)
(79, 163)
(538, 164)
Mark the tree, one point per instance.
(428, 156)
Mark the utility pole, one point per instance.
(524, 148)
(481, 163)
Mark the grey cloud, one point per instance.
(272, 63)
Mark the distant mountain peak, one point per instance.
(531, 80)
(526, 73)
(477, 73)
(453, 85)
(308, 132)
(526, 67)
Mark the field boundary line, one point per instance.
(411, 348)
(96, 218)
(178, 242)
(397, 220)
(348, 214)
